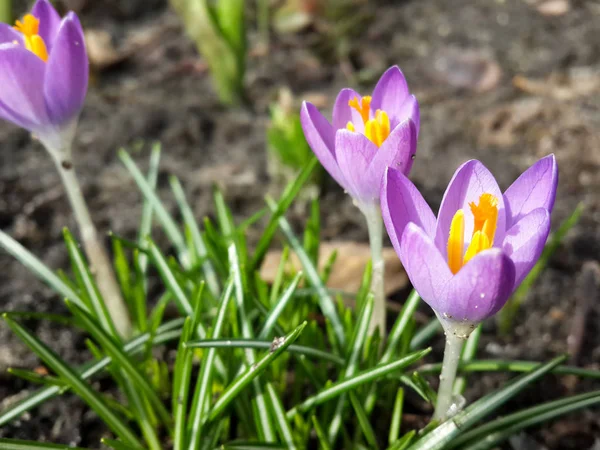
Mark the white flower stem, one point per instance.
(372, 214)
(452, 352)
(99, 262)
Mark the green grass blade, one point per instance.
(404, 441)
(394, 339)
(520, 420)
(407, 312)
(34, 377)
(493, 365)
(278, 281)
(204, 384)
(80, 387)
(449, 430)
(321, 435)
(326, 303)
(199, 245)
(163, 216)
(363, 421)
(264, 345)
(340, 387)
(98, 307)
(356, 347)
(312, 233)
(39, 269)
(148, 208)
(493, 433)
(17, 444)
(425, 334)
(182, 374)
(251, 373)
(288, 196)
(285, 432)
(118, 445)
(123, 361)
(396, 417)
(169, 278)
(167, 332)
(279, 306)
(140, 408)
(262, 416)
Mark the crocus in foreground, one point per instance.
(367, 134)
(466, 263)
(43, 74)
(43, 83)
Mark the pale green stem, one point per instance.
(99, 262)
(452, 353)
(6, 11)
(372, 214)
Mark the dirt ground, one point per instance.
(503, 81)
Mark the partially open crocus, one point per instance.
(367, 134)
(43, 74)
(467, 262)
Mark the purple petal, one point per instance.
(410, 110)
(525, 240)
(22, 80)
(49, 22)
(480, 289)
(8, 35)
(320, 135)
(343, 113)
(468, 183)
(354, 152)
(425, 266)
(397, 151)
(535, 188)
(401, 204)
(67, 72)
(390, 92)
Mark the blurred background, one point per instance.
(220, 86)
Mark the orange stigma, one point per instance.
(377, 129)
(33, 41)
(363, 108)
(485, 218)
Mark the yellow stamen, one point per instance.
(456, 241)
(485, 218)
(33, 41)
(38, 47)
(364, 107)
(479, 243)
(378, 129)
(350, 126)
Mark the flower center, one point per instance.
(485, 216)
(33, 41)
(377, 129)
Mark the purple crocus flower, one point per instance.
(466, 263)
(43, 74)
(367, 135)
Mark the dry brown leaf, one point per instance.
(102, 53)
(561, 86)
(348, 269)
(554, 8)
